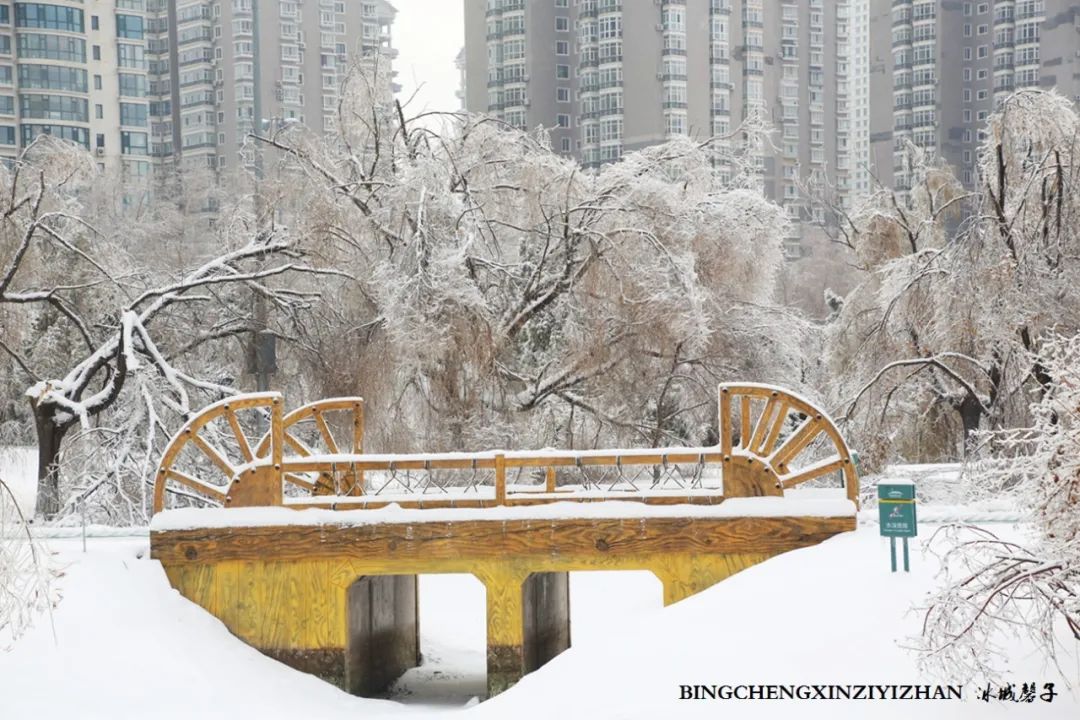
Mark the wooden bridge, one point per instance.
(332, 590)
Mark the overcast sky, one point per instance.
(428, 35)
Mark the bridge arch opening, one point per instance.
(418, 639)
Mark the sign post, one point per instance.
(896, 515)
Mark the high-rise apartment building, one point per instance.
(76, 70)
(221, 69)
(609, 76)
(860, 106)
(949, 66)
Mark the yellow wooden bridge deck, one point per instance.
(313, 555)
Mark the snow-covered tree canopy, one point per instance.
(945, 334)
(506, 296)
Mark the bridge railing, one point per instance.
(770, 441)
(509, 477)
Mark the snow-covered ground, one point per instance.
(122, 644)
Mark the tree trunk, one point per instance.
(49, 437)
(971, 413)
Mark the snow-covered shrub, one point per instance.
(994, 587)
(26, 573)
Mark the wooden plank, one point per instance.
(241, 439)
(745, 402)
(766, 446)
(217, 493)
(358, 428)
(215, 455)
(277, 433)
(796, 443)
(324, 430)
(763, 423)
(460, 544)
(301, 449)
(466, 501)
(500, 479)
(725, 423)
(484, 461)
(300, 481)
(816, 470)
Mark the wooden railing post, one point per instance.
(277, 445)
(500, 479)
(725, 421)
(358, 445)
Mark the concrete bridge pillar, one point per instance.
(383, 632)
(528, 622)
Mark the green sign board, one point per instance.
(896, 510)
(896, 516)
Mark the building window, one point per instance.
(562, 47)
(131, 56)
(562, 72)
(64, 132)
(52, 47)
(99, 112)
(562, 121)
(7, 135)
(49, 17)
(97, 82)
(129, 26)
(132, 85)
(7, 105)
(97, 52)
(50, 77)
(54, 107)
(562, 24)
(133, 143)
(562, 94)
(134, 114)
(94, 22)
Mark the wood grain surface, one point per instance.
(457, 545)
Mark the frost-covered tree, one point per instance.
(91, 303)
(507, 296)
(996, 587)
(944, 336)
